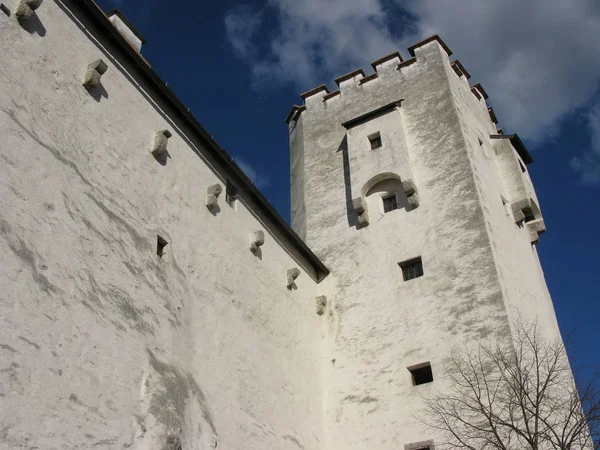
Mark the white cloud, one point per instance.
(241, 25)
(316, 38)
(538, 59)
(259, 180)
(588, 164)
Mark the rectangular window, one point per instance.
(390, 203)
(425, 445)
(161, 245)
(421, 373)
(375, 140)
(231, 194)
(412, 269)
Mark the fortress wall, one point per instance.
(379, 324)
(102, 342)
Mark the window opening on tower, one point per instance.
(375, 141)
(390, 203)
(412, 268)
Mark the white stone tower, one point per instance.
(426, 216)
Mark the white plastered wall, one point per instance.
(102, 343)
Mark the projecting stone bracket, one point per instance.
(161, 139)
(25, 9)
(212, 196)
(321, 305)
(535, 228)
(257, 239)
(292, 274)
(360, 207)
(93, 74)
(410, 191)
(524, 208)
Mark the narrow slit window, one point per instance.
(390, 203)
(421, 374)
(161, 245)
(4, 9)
(231, 194)
(375, 141)
(412, 269)
(523, 169)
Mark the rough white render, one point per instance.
(227, 340)
(480, 267)
(103, 344)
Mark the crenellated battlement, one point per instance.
(389, 65)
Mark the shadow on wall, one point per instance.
(34, 25)
(350, 213)
(98, 92)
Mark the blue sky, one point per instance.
(240, 66)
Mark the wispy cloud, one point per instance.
(588, 164)
(241, 25)
(260, 181)
(538, 59)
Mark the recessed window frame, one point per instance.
(161, 245)
(231, 194)
(423, 445)
(421, 373)
(375, 141)
(529, 215)
(390, 202)
(412, 268)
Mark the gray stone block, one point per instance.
(360, 208)
(411, 193)
(321, 305)
(161, 139)
(292, 274)
(517, 207)
(93, 74)
(535, 228)
(212, 195)
(413, 201)
(257, 239)
(25, 9)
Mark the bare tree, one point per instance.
(521, 396)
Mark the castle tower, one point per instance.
(426, 216)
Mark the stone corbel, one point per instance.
(161, 139)
(360, 207)
(321, 305)
(535, 228)
(292, 274)
(410, 191)
(25, 9)
(212, 195)
(93, 74)
(517, 207)
(257, 239)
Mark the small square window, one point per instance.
(231, 194)
(421, 373)
(390, 203)
(161, 245)
(412, 269)
(375, 140)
